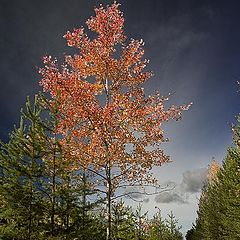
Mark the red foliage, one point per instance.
(108, 120)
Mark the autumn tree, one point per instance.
(212, 172)
(106, 123)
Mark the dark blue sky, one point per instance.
(194, 51)
(192, 45)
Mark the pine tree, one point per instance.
(42, 194)
(192, 234)
(229, 190)
(219, 207)
(141, 223)
(122, 222)
(174, 229)
(158, 229)
(67, 187)
(207, 223)
(20, 161)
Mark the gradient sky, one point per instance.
(194, 51)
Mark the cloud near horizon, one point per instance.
(192, 182)
(169, 197)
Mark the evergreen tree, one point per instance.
(141, 223)
(229, 191)
(122, 222)
(219, 207)
(158, 229)
(173, 228)
(192, 234)
(20, 161)
(164, 229)
(68, 211)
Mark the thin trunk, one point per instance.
(30, 217)
(84, 205)
(108, 175)
(67, 222)
(31, 192)
(68, 204)
(109, 193)
(53, 194)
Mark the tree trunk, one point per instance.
(109, 194)
(84, 205)
(30, 218)
(53, 195)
